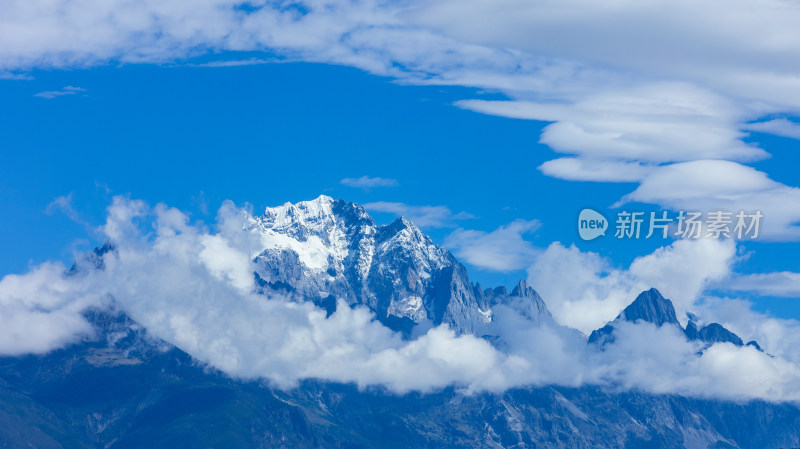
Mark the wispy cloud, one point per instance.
(367, 183)
(6, 75)
(422, 216)
(780, 283)
(201, 202)
(503, 249)
(63, 204)
(779, 127)
(66, 90)
(235, 63)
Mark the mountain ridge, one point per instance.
(327, 248)
(124, 389)
(410, 283)
(652, 307)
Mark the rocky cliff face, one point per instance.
(325, 250)
(651, 307)
(126, 390)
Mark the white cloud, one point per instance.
(422, 216)
(781, 283)
(742, 47)
(6, 75)
(234, 63)
(584, 291)
(192, 286)
(579, 169)
(66, 90)
(657, 122)
(779, 337)
(662, 361)
(40, 310)
(709, 185)
(50, 94)
(778, 127)
(63, 204)
(684, 269)
(367, 183)
(503, 249)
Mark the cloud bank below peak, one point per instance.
(193, 288)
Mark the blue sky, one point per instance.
(505, 131)
(264, 134)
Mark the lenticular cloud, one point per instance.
(194, 287)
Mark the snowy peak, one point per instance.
(402, 243)
(652, 307)
(320, 234)
(319, 217)
(324, 250)
(304, 213)
(403, 232)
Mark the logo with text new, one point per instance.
(591, 224)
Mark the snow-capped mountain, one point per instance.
(326, 250)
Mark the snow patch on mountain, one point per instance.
(325, 249)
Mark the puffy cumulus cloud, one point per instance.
(779, 337)
(643, 351)
(192, 286)
(503, 249)
(583, 290)
(685, 269)
(41, 310)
